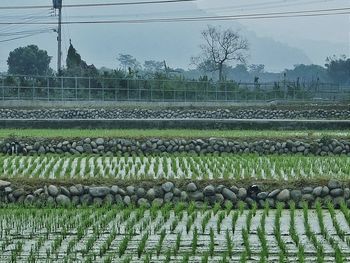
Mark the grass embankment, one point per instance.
(173, 133)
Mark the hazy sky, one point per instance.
(311, 39)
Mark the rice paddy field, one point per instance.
(174, 232)
(272, 167)
(182, 233)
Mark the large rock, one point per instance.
(99, 191)
(140, 192)
(75, 190)
(53, 190)
(168, 186)
(63, 200)
(158, 191)
(184, 196)
(18, 192)
(219, 198)
(346, 193)
(197, 196)
(80, 149)
(332, 184)
(100, 141)
(168, 197)
(86, 199)
(307, 190)
(64, 191)
(114, 189)
(262, 195)
(209, 190)
(338, 150)
(242, 193)
(118, 199)
(41, 150)
(337, 201)
(296, 195)
(317, 191)
(177, 192)
(191, 187)
(283, 196)
(127, 200)
(308, 197)
(29, 199)
(274, 193)
(325, 191)
(336, 192)
(4, 184)
(230, 195)
(151, 195)
(87, 148)
(130, 190)
(108, 199)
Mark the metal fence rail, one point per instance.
(106, 89)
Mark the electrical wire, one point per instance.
(265, 5)
(27, 18)
(95, 5)
(24, 32)
(15, 38)
(303, 13)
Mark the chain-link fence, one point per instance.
(107, 89)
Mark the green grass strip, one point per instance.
(173, 133)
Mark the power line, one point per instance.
(265, 5)
(96, 4)
(29, 35)
(25, 18)
(25, 32)
(303, 13)
(225, 9)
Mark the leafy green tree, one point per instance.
(76, 66)
(73, 58)
(256, 69)
(153, 66)
(29, 60)
(307, 73)
(128, 62)
(338, 69)
(239, 73)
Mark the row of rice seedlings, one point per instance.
(264, 253)
(200, 167)
(294, 235)
(338, 255)
(312, 236)
(277, 233)
(247, 253)
(16, 251)
(346, 212)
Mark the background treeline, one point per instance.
(31, 60)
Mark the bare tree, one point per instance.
(128, 61)
(220, 47)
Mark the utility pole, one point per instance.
(57, 4)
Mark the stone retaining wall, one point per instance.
(111, 146)
(180, 113)
(169, 192)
